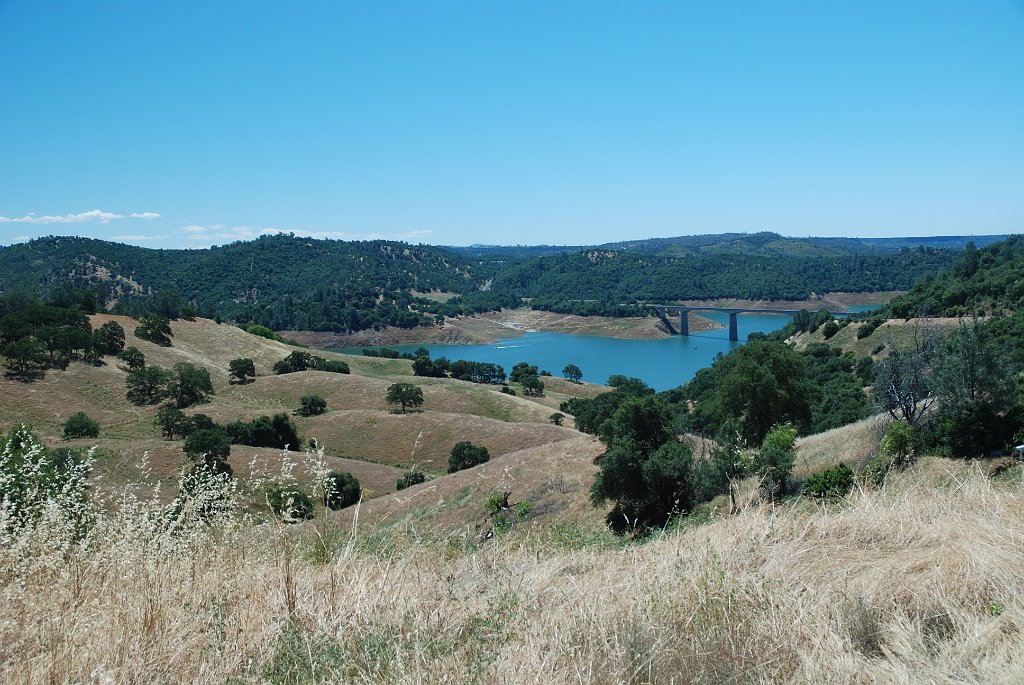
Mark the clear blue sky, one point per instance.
(509, 122)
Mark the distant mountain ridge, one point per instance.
(764, 242)
(290, 282)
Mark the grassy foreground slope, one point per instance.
(918, 582)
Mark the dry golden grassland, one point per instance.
(362, 433)
(918, 582)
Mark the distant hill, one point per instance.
(765, 243)
(987, 279)
(288, 282)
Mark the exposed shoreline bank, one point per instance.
(489, 327)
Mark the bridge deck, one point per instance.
(733, 312)
(738, 310)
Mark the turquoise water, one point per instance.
(662, 364)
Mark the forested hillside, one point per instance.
(983, 281)
(290, 283)
(618, 277)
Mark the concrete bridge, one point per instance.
(733, 312)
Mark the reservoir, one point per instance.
(663, 364)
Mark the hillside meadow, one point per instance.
(916, 581)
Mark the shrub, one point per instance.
(898, 443)
(132, 357)
(155, 329)
(207, 446)
(557, 418)
(266, 431)
(410, 478)
(301, 361)
(290, 503)
(834, 482)
(341, 490)
(775, 459)
(405, 394)
(147, 385)
(508, 391)
(830, 329)
(31, 477)
(171, 421)
(109, 338)
(241, 369)
(261, 331)
(466, 455)
(189, 384)
(80, 425)
(311, 405)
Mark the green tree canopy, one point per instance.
(311, 405)
(80, 425)
(208, 446)
(405, 394)
(775, 459)
(466, 455)
(109, 338)
(189, 384)
(571, 372)
(646, 473)
(147, 385)
(156, 329)
(289, 502)
(761, 383)
(25, 358)
(241, 369)
(341, 490)
(132, 357)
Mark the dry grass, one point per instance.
(851, 444)
(918, 583)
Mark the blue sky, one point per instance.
(186, 124)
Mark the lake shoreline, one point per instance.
(489, 327)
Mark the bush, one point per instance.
(132, 357)
(466, 455)
(290, 503)
(31, 477)
(557, 418)
(189, 384)
(410, 478)
(311, 405)
(147, 385)
(80, 426)
(898, 443)
(155, 329)
(261, 331)
(266, 431)
(405, 394)
(831, 328)
(341, 490)
(835, 482)
(302, 361)
(207, 446)
(241, 369)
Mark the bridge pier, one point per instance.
(734, 333)
(684, 322)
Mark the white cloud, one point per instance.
(218, 232)
(93, 216)
(138, 237)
